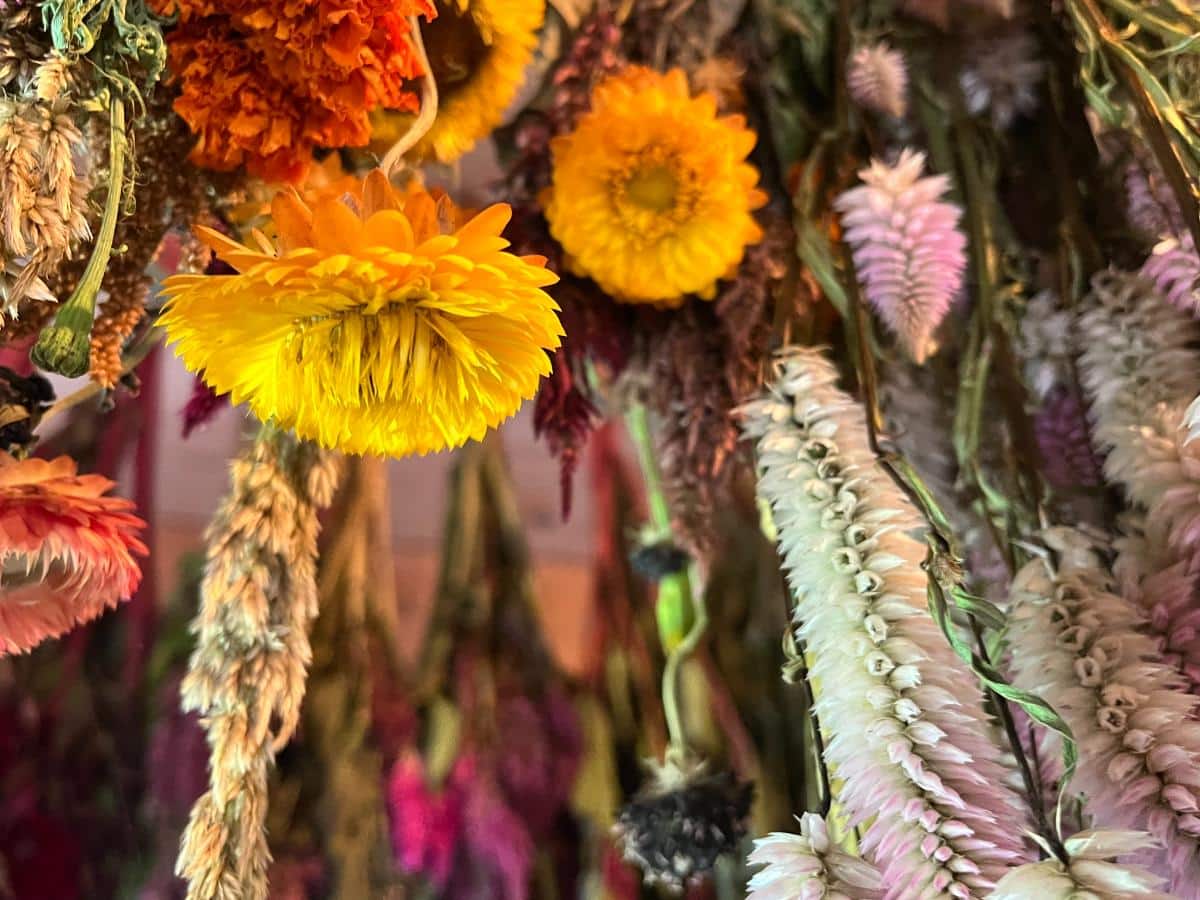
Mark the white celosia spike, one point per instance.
(809, 865)
(1046, 344)
(1002, 77)
(910, 745)
(1089, 872)
(909, 255)
(1141, 372)
(1079, 646)
(877, 79)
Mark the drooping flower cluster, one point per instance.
(478, 54)
(45, 167)
(66, 550)
(1078, 646)
(1088, 872)
(246, 675)
(652, 195)
(808, 865)
(877, 79)
(908, 252)
(264, 83)
(379, 323)
(909, 741)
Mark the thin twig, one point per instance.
(392, 160)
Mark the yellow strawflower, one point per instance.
(478, 52)
(374, 323)
(652, 195)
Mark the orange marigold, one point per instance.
(263, 83)
(66, 550)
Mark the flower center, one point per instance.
(653, 188)
(456, 47)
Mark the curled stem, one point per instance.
(393, 160)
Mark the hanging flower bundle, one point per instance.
(862, 334)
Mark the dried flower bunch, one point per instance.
(871, 327)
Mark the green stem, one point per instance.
(638, 423)
(65, 346)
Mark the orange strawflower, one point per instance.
(263, 83)
(66, 550)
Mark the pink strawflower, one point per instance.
(911, 747)
(1079, 646)
(1174, 269)
(809, 865)
(1064, 444)
(66, 550)
(877, 79)
(908, 252)
(426, 825)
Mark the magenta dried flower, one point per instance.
(426, 825)
(1149, 201)
(496, 856)
(539, 757)
(877, 79)
(202, 406)
(1060, 426)
(908, 252)
(1174, 268)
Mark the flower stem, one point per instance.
(65, 346)
(638, 424)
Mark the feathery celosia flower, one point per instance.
(808, 865)
(1002, 76)
(246, 675)
(1089, 872)
(1153, 578)
(1060, 427)
(263, 83)
(877, 79)
(1149, 201)
(66, 550)
(652, 195)
(908, 252)
(426, 825)
(1140, 371)
(1046, 344)
(1079, 646)
(373, 324)
(478, 52)
(909, 743)
(1174, 268)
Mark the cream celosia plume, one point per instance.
(877, 79)
(1088, 872)
(909, 744)
(808, 865)
(1078, 645)
(1140, 370)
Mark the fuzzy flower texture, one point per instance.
(910, 743)
(378, 323)
(809, 866)
(1088, 873)
(66, 550)
(652, 195)
(908, 251)
(262, 83)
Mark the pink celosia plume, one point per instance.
(1174, 269)
(66, 550)
(877, 79)
(1079, 646)
(908, 252)
(909, 741)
